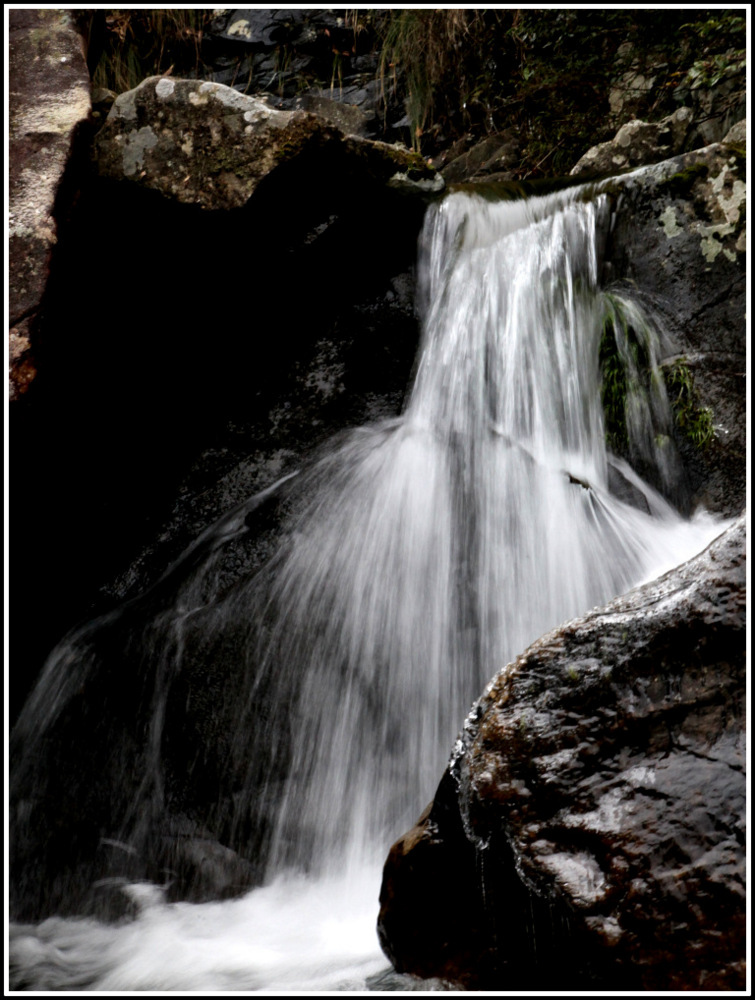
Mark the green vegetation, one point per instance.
(439, 62)
(722, 33)
(549, 74)
(681, 183)
(632, 384)
(693, 420)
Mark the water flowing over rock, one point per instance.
(206, 144)
(596, 796)
(292, 575)
(254, 701)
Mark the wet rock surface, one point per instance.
(599, 779)
(680, 238)
(204, 143)
(252, 305)
(48, 102)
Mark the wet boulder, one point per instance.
(590, 829)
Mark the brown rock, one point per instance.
(48, 100)
(496, 155)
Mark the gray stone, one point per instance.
(497, 154)
(345, 116)
(637, 143)
(717, 106)
(737, 134)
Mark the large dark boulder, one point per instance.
(590, 829)
(223, 348)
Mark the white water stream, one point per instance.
(430, 551)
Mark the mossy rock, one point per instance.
(680, 184)
(206, 144)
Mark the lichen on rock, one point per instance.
(206, 144)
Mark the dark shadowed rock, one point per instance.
(679, 237)
(48, 101)
(495, 156)
(206, 144)
(598, 787)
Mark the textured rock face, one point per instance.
(705, 118)
(600, 781)
(492, 159)
(206, 144)
(679, 237)
(48, 100)
(637, 143)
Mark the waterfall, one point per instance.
(418, 556)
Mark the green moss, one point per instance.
(680, 184)
(220, 159)
(516, 190)
(693, 420)
(408, 161)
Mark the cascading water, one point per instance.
(423, 554)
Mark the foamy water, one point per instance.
(296, 934)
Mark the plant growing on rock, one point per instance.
(694, 420)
